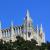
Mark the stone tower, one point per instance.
(28, 26)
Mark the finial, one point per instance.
(27, 14)
(11, 23)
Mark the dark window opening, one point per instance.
(29, 33)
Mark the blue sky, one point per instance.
(16, 10)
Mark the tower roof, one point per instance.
(28, 18)
(27, 15)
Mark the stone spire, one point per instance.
(0, 31)
(28, 18)
(12, 30)
(41, 28)
(41, 31)
(28, 25)
(42, 35)
(28, 15)
(37, 31)
(12, 33)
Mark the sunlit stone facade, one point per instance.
(26, 30)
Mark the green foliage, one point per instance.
(21, 44)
